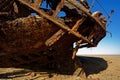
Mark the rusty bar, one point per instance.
(55, 37)
(3, 13)
(40, 12)
(78, 23)
(80, 71)
(37, 3)
(86, 11)
(76, 49)
(60, 33)
(58, 8)
(90, 36)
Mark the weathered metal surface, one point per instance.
(46, 37)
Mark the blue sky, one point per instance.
(109, 45)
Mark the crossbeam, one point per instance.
(63, 26)
(86, 11)
(61, 32)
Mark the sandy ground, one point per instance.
(96, 68)
(112, 71)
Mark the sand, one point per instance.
(112, 70)
(103, 67)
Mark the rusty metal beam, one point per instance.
(63, 26)
(58, 8)
(86, 11)
(75, 50)
(3, 13)
(55, 37)
(78, 23)
(61, 32)
(37, 3)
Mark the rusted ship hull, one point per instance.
(25, 42)
(47, 38)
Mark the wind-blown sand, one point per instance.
(96, 67)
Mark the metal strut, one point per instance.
(86, 11)
(61, 25)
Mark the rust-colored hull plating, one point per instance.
(46, 37)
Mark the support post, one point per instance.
(75, 50)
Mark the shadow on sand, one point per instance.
(91, 65)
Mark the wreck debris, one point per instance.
(84, 2)
(46, 37)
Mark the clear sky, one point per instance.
(109, 45)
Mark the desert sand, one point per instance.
(103, 67)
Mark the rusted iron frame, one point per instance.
(78, 23)
(3, 13)
(86, 11)
(90, 36)
(58, 8)
(61, 32)
(78, 45)
(80, 71)
(75, 50)
(55, 37)
(37, 3)
(42, 13)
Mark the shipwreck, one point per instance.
(45, 36)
